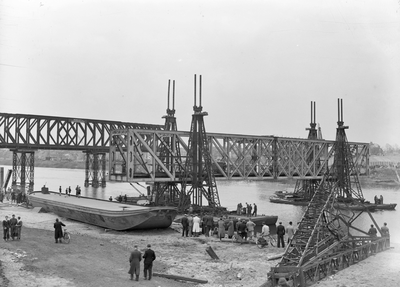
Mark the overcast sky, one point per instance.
(262, 63)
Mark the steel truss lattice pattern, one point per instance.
(23, 170)
(135, 155)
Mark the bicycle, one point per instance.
(67, 236)
(263, 241)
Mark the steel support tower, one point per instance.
(305, 188)
(199, 181)
(168, 192)
(23, 170)
(328, 240)
(95, 169)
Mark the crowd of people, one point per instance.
(193, 226)
(13, 196)
(12, 228)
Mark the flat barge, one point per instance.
(110, 215)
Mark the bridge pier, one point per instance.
(95, 169)
(23, 167)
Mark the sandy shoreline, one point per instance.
(99, 258)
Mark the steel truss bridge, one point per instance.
(24, 134)
(138, 145)
(134, 156)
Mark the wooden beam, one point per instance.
(181, 278)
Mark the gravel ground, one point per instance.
(96, 257)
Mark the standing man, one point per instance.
(254, 210)
(19, 227)
(58, 233)
(185, 226)
(149, 256)
(69, 191)
(60, 190)
(13, 226)
(385, 230)
(264, 230)
(190, 223)
(221, 228)
(134, 261)
(6, 229)
(290, 232)
(280, 231)
(250, 228)
(242, 230)
(372, 232)
(209, 224)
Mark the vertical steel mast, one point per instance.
(199, 180)
(168, 193)
(305, 188)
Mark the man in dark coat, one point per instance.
(6, 228)
(280, 231)
(254, 210)
(58, 233)
(13, 223)
(149, 256)
(134, 260)
(185, 225)
(242, 230)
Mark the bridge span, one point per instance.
(135, 156)
(138, 152)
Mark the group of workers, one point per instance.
(246, 210)
(12, 228)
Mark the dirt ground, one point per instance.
(96, 257)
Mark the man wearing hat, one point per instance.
(185, 225)
(134, 260)
(149, 256)
(13, 226)
(6, 227)
(280, 231)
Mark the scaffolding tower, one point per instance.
(305, 188)
(199, 180)
(168, 192)
(327, 239)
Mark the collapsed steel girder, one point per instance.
(329, 239)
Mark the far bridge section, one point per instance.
(135, 156)
(23, 134)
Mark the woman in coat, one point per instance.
(221, 228)
(196, 226)
(231, 229)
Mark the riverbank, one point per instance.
(96, 257)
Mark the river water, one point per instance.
(230, 194)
